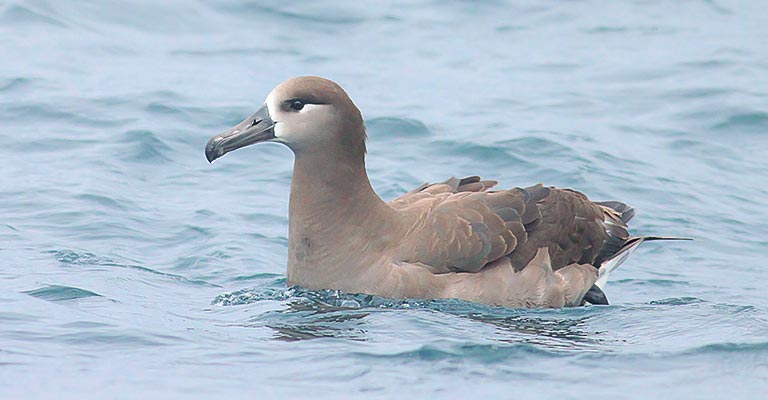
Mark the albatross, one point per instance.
(537, 246)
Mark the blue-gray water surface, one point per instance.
(131, 268)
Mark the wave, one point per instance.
(61, 293)
(78, 258)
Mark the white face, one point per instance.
(298, 128)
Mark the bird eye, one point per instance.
(297, 105)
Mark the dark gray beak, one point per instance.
(257, 128)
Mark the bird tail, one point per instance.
(618, 258)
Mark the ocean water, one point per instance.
(131, 268)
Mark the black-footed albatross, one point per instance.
(533, 247)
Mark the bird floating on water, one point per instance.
(523, 247)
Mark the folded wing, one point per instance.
(459, 225)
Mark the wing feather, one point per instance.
(459, 225)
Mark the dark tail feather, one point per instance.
(652, 238)
(630, 243)
(608, 265)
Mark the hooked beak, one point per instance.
(257, 128)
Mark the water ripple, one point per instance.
(331, 16)
(20, 15)
(744, 122)
(739, 348)
(390, 128)
(677, 301)
(144, 147)
(483, 353)
(72, 257)
(499, 157)
(61, 293)
(13, 84)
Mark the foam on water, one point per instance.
(130, 267)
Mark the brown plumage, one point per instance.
(533, 247)
(469, 226)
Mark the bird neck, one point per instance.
(335, 219)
